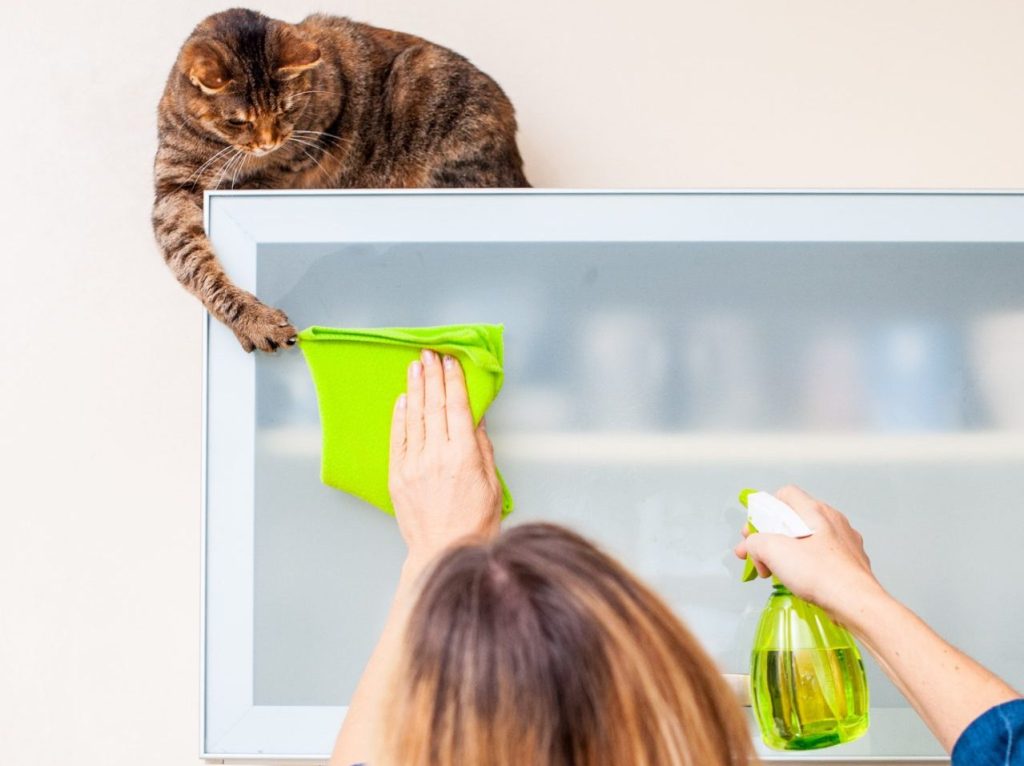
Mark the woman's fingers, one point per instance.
(457, 410)
(806, 507)
(414, 429)
(434, 421)
(486, 448)
(397, 451)
(741, 551)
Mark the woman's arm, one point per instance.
(444, 488)
(358, 732)
(947, 688)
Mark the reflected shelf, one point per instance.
(647, 448)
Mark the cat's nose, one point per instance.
(260, 149)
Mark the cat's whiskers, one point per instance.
(240, 167)
(198, 171)
(302, 146)
(319, 134)
(307, 92)
(220, 170)
(316, 147)
(225, 167)
(306, 140)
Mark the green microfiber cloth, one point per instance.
(358, 374)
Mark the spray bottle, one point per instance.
(807, 681)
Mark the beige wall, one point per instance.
(99, 383)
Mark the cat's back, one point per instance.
(422, 108)
(379, 44)
(346, 33)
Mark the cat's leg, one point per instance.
(480, 149)
(478, 162)
(178, 225)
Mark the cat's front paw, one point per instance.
(263, 327)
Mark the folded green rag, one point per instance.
(359, 374)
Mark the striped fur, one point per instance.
(326, 103)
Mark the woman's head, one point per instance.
(537, 648)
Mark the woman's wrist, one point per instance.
(415, 564)
(863, 609)
(422, 555)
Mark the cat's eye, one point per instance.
(237, 123)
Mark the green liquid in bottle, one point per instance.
(807, 679)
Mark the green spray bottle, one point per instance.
(807, 681)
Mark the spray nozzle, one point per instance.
(766, 513)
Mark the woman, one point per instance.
(533, 647)
(529, 648)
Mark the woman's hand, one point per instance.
(829, 568)
(441, 472)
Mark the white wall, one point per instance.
(100, 378)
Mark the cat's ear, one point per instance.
(295, 54)
(204, 63)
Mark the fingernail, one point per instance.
(427, 356)
(401, 402)
(448, 362)
(416, 369)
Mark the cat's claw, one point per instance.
(264, 328)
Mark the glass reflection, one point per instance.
(646, 384)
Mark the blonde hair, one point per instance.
(540, 649)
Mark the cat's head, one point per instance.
(246, 78)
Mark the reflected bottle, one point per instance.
(807, 679)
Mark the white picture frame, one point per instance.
(238, 222)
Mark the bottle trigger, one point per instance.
(766, 513)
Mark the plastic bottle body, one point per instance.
(807, 679)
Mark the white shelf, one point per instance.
(596, 448)
(687, 448)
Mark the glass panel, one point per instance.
(646, 385)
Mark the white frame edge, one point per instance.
(245, 219)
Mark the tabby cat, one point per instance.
(256, 103)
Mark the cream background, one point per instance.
(100, 378)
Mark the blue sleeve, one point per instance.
(995, 738)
